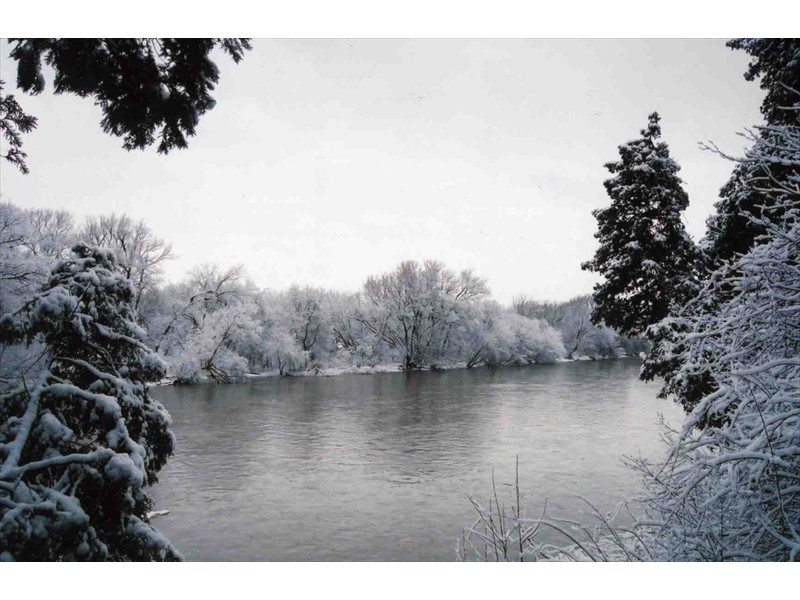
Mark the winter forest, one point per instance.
(217, 326)
(103, 358)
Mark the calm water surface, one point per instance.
(376, 467)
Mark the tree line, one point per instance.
(81, 439)
(216, 325)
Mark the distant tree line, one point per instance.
(217, 325)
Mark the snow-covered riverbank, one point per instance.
(367, 370)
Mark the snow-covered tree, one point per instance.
(488, 334)
(283, 352)
(776, 62)
(646, 257)
(351, 321)
(581, 336)
(300, 313)
(81, 438)
(772, 146)
(573, 319)
(417, 307)
(212, 350)
(481, 335)
(729, 490)
(205, 325)
(51, 233)
(17, 270)
(140, 254)
(730, 230)
(22, 272)
(524, 341)
(552, 312)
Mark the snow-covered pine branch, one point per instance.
(81, 443)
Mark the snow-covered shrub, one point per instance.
(519, 340)
(210, 351)
(731, 490)
(80, 443)
(729, 486)
(490, 335)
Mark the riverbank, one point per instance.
(369, 370)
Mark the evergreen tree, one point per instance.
(777, 63)
(148, 89)
(13, 123)
(734, 229)
(646, 256)
(762, 190)
(80, 443)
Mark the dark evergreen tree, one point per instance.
(81, 440)
(13, 123)
(762, 190)
(731, 231)
(148, 89)
(777, 63)
(646, 257)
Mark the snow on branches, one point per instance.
(730, 491)
(645, 254)
(729, 486)
(80, 443)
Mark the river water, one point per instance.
(376, 467)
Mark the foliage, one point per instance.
(730, 230)
(81, 441)
(646, 256)
(727, 488)
(149, 90)
(140, 254)
(417, 306)
(13, 123)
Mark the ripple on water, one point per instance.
(377, 467)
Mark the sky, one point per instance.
(326, 161)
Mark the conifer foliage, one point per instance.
(13, 123)
(751, 194)
(149, 90)
(646, 256)
(777, 63)
(79, 443)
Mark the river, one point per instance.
(376, 467)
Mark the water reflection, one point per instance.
(375, 467)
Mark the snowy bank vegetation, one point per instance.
(729, 485)
(725, 339)
(215, 325)
(80, 437)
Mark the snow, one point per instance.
(123, 470)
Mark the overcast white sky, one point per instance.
(328, 161)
